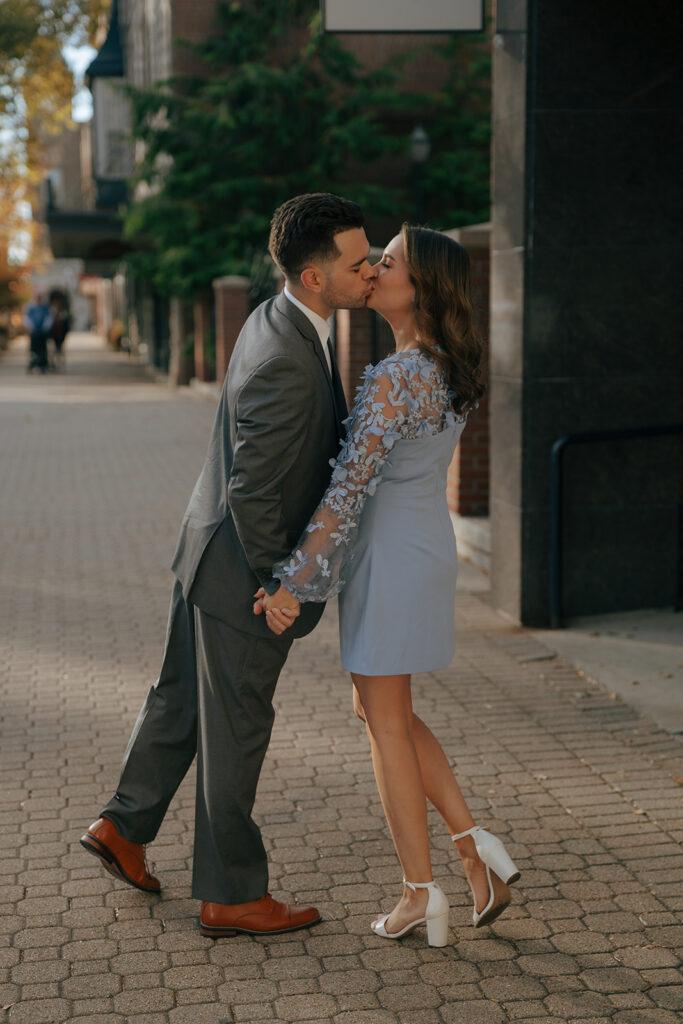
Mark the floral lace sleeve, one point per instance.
(403, 396)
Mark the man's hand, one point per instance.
(280, 608)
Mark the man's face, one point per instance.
(347, 281)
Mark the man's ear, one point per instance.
(312, 279)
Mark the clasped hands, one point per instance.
(280, 608)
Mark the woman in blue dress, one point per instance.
(382, 539)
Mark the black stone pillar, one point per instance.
(586, 302)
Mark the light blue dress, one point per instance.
(394, 565)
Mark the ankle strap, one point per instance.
(418, 885)
(468, 832)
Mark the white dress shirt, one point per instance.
(321, 325)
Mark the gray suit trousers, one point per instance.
(213, 698)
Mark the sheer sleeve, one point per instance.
(395, 400)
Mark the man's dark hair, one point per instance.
(303, 229)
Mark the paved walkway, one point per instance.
(96, 467)
(637, 655)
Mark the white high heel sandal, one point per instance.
(500, 872)
(435, 917)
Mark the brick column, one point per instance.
(181, 356)
(342, 342)
(204, 361)
(468, 475)
(360, 338)
(232, 309)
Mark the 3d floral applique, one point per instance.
(401, 397)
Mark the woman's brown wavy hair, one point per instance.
(440, 271)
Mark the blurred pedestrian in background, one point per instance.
(60, 326)
(37, 319)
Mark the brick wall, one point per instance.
(468, 475)
(193, 21)
(204, 315)
(232, 309)
(354, 346)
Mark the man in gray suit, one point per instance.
(278, 424)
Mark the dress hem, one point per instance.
(403, 671)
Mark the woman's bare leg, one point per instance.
(389, 721)
(443, 792)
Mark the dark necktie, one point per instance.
(340, 407)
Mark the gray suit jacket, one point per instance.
(278, 424)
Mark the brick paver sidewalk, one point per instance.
(96, 467)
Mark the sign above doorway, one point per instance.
(402, 15)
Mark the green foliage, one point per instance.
(457, 175)
(282, 109)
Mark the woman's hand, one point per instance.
(280, 608)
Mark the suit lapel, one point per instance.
(305, 327)
(299, 319)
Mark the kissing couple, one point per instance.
(298, 502)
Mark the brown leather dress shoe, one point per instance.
(264, 916)
(120, 857)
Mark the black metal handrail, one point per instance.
(556, 495)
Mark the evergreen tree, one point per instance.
(282, 109)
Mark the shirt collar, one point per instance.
(321, 325)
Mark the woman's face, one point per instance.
(393, 293)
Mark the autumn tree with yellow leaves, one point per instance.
(36, 90)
